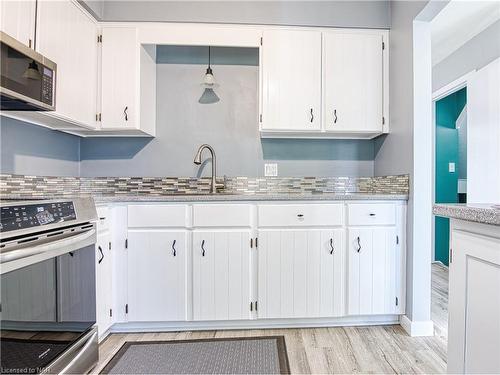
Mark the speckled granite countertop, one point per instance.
(222, 197)
(479, 213)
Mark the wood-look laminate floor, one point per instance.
(380, 349)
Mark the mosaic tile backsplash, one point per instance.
(32, 186)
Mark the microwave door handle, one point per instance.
(34, 250)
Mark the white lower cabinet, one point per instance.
(205, 263)
(156, 262)
(474, 304)
(373, 269)
(104, 287)
(221, 274)
(301, 273)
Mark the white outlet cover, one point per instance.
(271, 170)
(451, 167)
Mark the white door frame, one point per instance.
(439, 94)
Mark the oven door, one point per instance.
(48, 308)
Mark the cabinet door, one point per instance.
(372, 273)
(301, 273)
(119, 75)
(18, 20)
(291, 86)
(104, 277)
(221, 275)
(474, 305)
(352, 82)
(68, 36)
(156, 275)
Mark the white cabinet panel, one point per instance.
(301, 273)
(17, 19)
(474, 305)
(352, 82)
(291, 80)
(373, 264)
(156, 275)
(301, 215)
(67, 36)
(221, 275)
(104, 282)
(120, 76)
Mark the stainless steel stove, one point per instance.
(48, 297)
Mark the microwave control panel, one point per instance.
(47, 85)
(35, 215)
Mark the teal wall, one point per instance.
(447, 151)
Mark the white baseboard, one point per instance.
(417, 328)
(254, 324)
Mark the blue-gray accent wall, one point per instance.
(33, 150)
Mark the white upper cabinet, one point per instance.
(119, 77)
(291, 81)
(17, 19)
(128, 82)
(345, 71)
(68, 36)
(352, 82)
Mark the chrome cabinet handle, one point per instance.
(174, 252)
(331, 246)
(359, 246)
(102, 255)
(335, 116)
(312, 115)
(125, 113)
(203, 248)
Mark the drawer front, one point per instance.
(301, 215)
(222, 215)
(151, 216)
(103, 218)
(371, 214)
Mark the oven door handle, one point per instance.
(69, 368)
(51, 246)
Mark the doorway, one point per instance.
(450, 169)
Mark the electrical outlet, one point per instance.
(451, 167)
(271, 170)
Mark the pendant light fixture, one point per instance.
(209, 96)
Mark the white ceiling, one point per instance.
(458, 22)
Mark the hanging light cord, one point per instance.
(36, 16)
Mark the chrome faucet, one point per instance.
(197, 161)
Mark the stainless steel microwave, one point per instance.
(28, 79)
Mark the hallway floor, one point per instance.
(381, 349)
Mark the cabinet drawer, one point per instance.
(157, 216)
(222, 215)
(102, 218)
(301, 215)
(371, 214)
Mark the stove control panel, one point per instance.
(35, 215)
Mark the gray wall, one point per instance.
(371, 14)
(33, 150)
(475, 54)
(394, 153)
(230, 126)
